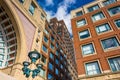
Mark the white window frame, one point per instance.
(109, 62)
(84, 55)
(112, 48)
(82, 23)
(91, 62)
(105, 31)
(93, 6)
(93, 16)
(82, 31)
(115, 23)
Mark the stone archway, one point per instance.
(8, 40)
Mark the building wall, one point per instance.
(28, 29)
(100, 54)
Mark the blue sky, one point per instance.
(61, 9)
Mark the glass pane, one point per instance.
(114, 10)
(107, 2)
(51, 55)
(1, 57)
(87, 49)
(95, 7)
(50, 66)
(44, 48)
(117, 22)
(103, 28)
(110, 42)
(42, 72)
(92, 68)
(98, 16)
(81, 22)
(50, 76)
(84, 34)
(79, 13)
(2, 50)
(45, 39)
(0, 63)
(115, 63)
(21, 1)
(32, 8)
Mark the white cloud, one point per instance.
(62, 13)
(49, 2)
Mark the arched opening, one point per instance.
(8, 40)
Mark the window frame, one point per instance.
(89, 54)
(33, 6)
(86, 37)
(81, 20)
(92, 7)
(46, 48)
(104, 32)
(1, 63)
(111, 14)
(107, 4)
(116, 24)
(81, 13)
(101, 71)
(93, 15)
(109, 62)
(112, 48)
(46, 38)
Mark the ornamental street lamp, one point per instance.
(34, 56)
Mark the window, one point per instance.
(42, 72)
(110, 43)
(114, 63)
(1, 57)
(1, 38)
(95, 7)
(56, 71)
(44, 48)
(50, 76)
(103, 28)
(51, 55)
(46, 31)
(57, 53)
(81, 23)
(51, 46)
(107, 2)
(61, 66)
(50, 66)
(114, 10)
(57, 45)
(2, 50)
(42, 16)
(98, 16)
(1, 44)
(52, 38)
(0, 63)
(45, 39)
(88, 49)
(43, 59)
(32, 8)
(92, 68)
(56, 61)
(21, 1)
(84, 34)
(61, 57)
(117, 22)
(79, 13)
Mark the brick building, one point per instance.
(96, 37)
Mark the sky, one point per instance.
(61, 9)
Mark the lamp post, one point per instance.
(34, 56)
